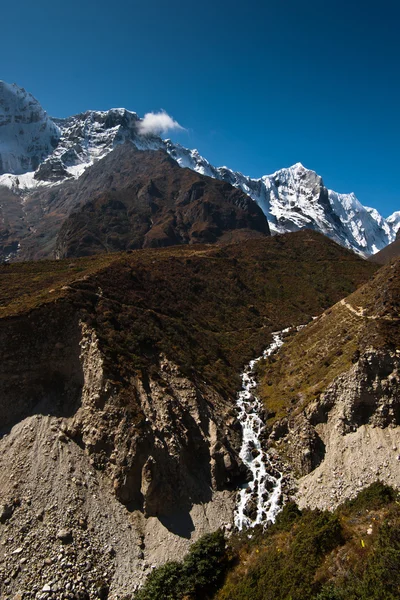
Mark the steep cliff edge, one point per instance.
(118, 377)
(333, 396)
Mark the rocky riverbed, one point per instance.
(260, 498)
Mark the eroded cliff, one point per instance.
(333, 397)
(120, 441)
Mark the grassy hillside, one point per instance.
(208, 308)
(310, 361)
(27, 285)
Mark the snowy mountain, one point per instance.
(37, 151)
(296, 198)
(394, 221)
(27, 135)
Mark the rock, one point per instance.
(65, 535)
(6, 512)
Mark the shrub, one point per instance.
(373, 497)
(195, 578)
(287, 517)
(163, 583)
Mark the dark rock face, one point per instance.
(129, 199)
(51, 170)
(52, 378)
(144, 199)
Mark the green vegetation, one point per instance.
(196, 578)
(376, 496)
(282, 563)
(308, 555)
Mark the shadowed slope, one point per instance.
(129, 199)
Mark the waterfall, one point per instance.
(259, 499)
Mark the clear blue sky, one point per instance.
(259, 85)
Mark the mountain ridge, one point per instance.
(291, 198)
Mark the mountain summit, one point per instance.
(27, 135)
(37, 151)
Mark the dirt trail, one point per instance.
(359, 311)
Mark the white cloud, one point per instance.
(156, 123)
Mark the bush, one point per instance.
(283, 565)
(162, 583)
(373, 497)
(287, 517)
(195, 579)
(205, 564)
(329, 592)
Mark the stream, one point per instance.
(259, 499)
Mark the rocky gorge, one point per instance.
(120, 439)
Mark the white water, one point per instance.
(259, 499)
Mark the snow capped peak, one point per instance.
(295, 173)
(27, 134)
(36, 151)
(394, 221)
(298, 167)
(15, 99)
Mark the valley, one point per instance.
(127, 401)
(199, 372)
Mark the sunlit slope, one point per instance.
(328, 346)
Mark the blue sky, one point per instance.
(258, 85)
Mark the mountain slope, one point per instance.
(126, 200)
(291, 198)
(124, 411)
(388, 253)
(332, 395)
(157, 205)
(27, 134)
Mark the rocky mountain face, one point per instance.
(143, 199)
(27, 134)
(63, 149)
(129, 199)
(124, 414)
(388, 253)
(333, 396)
